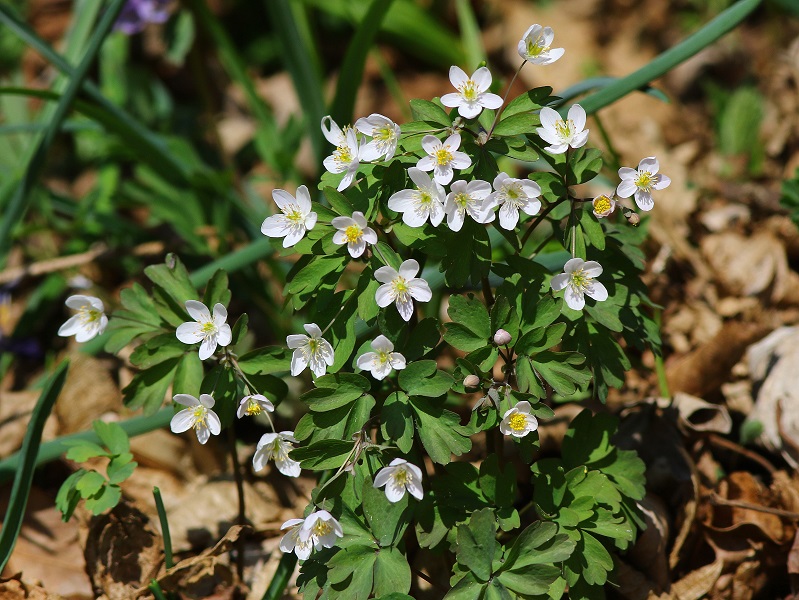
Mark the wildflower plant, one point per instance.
(435, 348)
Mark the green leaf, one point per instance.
(327, 397)
(559, 369)
(539, 544)
(421, 378)
(473, 259)
(590, 560)
(239, 329)
(188, 375)
(517, 124)
(338, 201)
(113, 436)
(397, 421)
(392, 574)
(424, 338)
(584, 164)
(66, 501)
(463, 338)
(530, 580)
(468, 588)
(119, 470)
(352, 569)
(107, 498)
(217, 290)
(424, 110)
(439, 431)
(90, 483)
(173, 278)
(588, 439)
(538, 340)
(322, 455)
(529, 101)
(477, 543)
(340, 423)
(366, 290)
(387, 520)
(148, 388)
(82, 450)
(499, 486)
(471, 325)
(158, 349)
(591, 227)
(272, 359)
(503, 316)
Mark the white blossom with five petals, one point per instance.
(423, 203)
(295, 219)
(385, 135)
(346, 157)
(640, 182)
(89, 322)
(443, 157)
(399, 477)
(518, 421)
(322, 529)
(402, 287)
(513, 195)
(471, 199)
(197, 415)
(276, 446)
(209, 331)
(292, 542)
(380, 362)
(578, 278)
(535, 46)
(355, 232)
(311, 349)
(562, 133)
(472, 95)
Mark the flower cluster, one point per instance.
(316, 531)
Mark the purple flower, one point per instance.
(136, 14)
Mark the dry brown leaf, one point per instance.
(698, 583)
(123, 551)
(697, 415)
(89, 392)
(13, 588)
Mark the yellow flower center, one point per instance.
(443, 156)
(253, 408)
(580, 280)
(462, 199)
(383, 357)
(400, 285)
(564, 127)
(353, 233)
(401, 477)
(644, 181)
(90, 315)
(518, 422)
(425, 197)
(198, 415)
(469, 90)
(343, 155)
(208, 327)
(383, 134)
(313, 345)
(536, 48)
(321, 528)
(294, 216)
(602, 204)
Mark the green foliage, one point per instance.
(100, 493)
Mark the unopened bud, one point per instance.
(471, 381)
(633, 218)
(502, 337)
(482, 138)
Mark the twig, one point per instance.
(424, 576)
(719, 501)
(722, 442)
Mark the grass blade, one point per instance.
(165, 535)
(28, 455)
(470, 35)
(298, 60)
(669, 59)
(16, 208)
(594, 83)
(351, 73)
(281, 577)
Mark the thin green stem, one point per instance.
(241, 517)
(165, 535)
(504, 99)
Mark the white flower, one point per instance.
(206, 330)
(346, 157)
(562, 133)
(534, 46)
(321, 529)
(253, 405)
(382, 360)
(642, 182)
(442, 157)
(296, 218)
(384, 133)
(603, 205)
(425, 202)
(277, 446)
(402, 287)
(578, 278)
(473, 95)
(398, 477)
(513, 195)
(355, 232)
(90, 320)
(518, 421)
(197, 415)
(313, 350)
(291, 542)
(469, 198)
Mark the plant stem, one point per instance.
(504, 98)
(240, 519)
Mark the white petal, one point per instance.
(189, 333)
(296, 340)
(186, 399)
(469, 110)
(283, 199)
(203, 434)
(455, 220)
(592, 268)
(627, 173)
(419, 290)
(384, 295)
(408, 269)
(369, 235)
(644, 200)
(198, 311)
(663, 181)
(577, 116)
(207, 400)
(382, 344)
(313, 330)
(275, 226)
(420, 178)
(339, 237)
(394, 493)
(428, 163)
(650, 163)
(405, 309)
(559, 281)
(304, 199)
(573, 264)
(208, 347)
(214, 424)
(574, 298)
(626, 188)
(508, 216)
(549, 117)
(451, 100)
(597, 291)
(430, 144)
(383, 476)
(73, 325)
(580, 139)
(298, 362)
(492, 101)
(357, 248)
(289, 467)
(365, 360)
(397, 361)
(182, 421)
(453, 141)
(482, 77)
(386, 274)
(457, 76)
(404, 200)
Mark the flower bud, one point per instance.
(502, 337)
(471, 381)
(633, 218)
